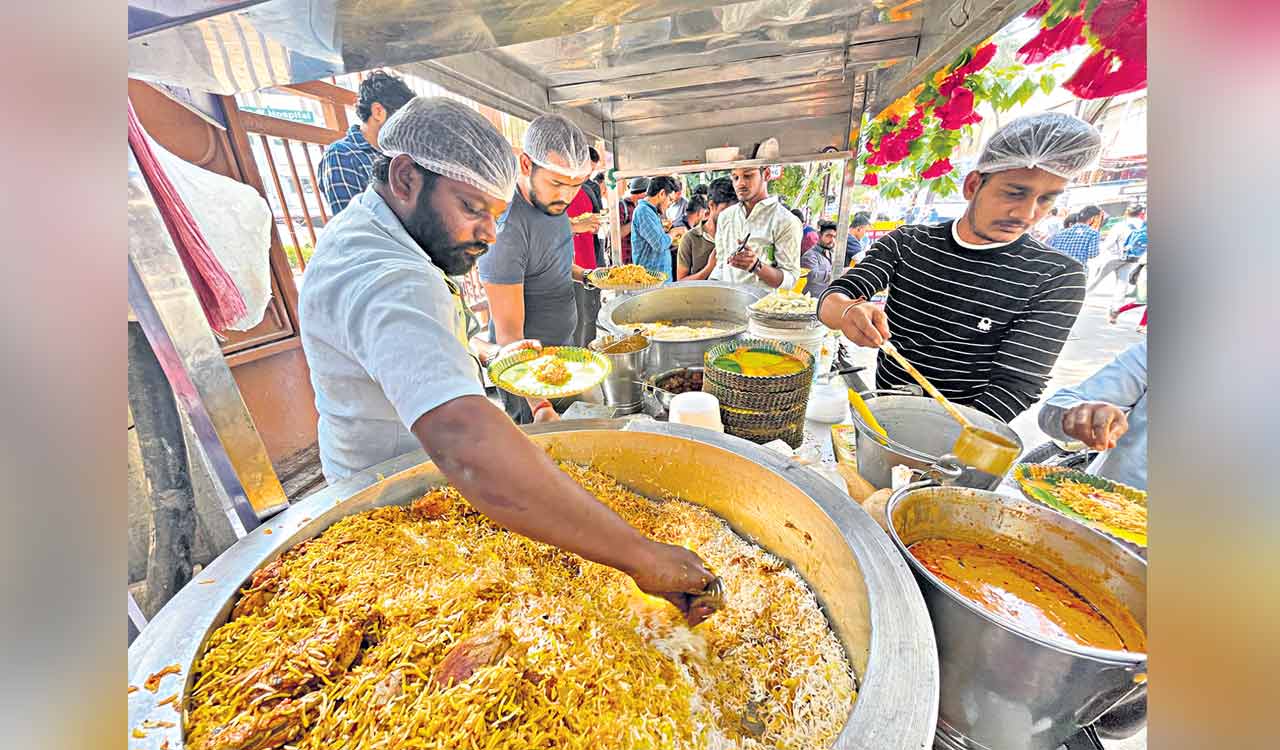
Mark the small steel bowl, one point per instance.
(655, 396)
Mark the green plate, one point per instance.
(516, 373)
(1039, 484)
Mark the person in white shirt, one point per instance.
(384, 334)
(770, 259)
(1116, 264)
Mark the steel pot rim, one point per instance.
(1127, 659)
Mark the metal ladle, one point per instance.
(982, 449)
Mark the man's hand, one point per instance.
(864, 324)
(587, 223)
(545, 414)
(1096, 424)
(516, 346)
(744, 259)
(677, 575)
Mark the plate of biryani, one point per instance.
(784, 304)
(629, 278)
(1110, 507)
(428, 626)
(549, 372)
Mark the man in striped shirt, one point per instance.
(977, 304)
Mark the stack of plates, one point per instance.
(760, 408)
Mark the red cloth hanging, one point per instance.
(219, 297)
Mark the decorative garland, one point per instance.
(915, 136)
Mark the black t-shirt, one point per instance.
(985, 325)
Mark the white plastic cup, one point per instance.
(697, 409)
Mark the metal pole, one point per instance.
(856, 107)
(164, 463)
(165, 305)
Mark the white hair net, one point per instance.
(1059, 144)
(555, 135)
(451, 139)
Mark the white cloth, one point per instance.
(235, 221)
(383, 334)
(770, 225)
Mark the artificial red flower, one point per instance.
(958, 110)
(937, 169)
(950, 84)
(1067, 34)
(1104, 74)
(914, 127)
(893, 149)
(1039, 9)
(981, 57)
(871, 178)
(1120, 66)
(1112, 15)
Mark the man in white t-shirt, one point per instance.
(770, 259)
(383, 330)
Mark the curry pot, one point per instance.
(1004, 688)
(921, 434)
(686, 302)
(865, 588)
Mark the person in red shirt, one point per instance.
(585, 222)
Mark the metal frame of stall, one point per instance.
(657, 83)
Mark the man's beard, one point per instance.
(426, 227)
(555, 208)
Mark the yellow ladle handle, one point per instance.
(892, 351)
(859, 405)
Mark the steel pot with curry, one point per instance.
(1040, 620)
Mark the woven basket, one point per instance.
(761, 426)
(734, 381)
(768, 402)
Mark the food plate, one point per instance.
(773, 306)
(599, 278)
(1056, 487)
(518, 373)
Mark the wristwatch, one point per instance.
(755, 267)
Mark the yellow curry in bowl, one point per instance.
(1023, 594)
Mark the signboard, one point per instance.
(303, 116)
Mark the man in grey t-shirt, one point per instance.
(529, 272)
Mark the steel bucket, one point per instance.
(687, 302)
(622, 387)
(1003, 689)
(921, 435)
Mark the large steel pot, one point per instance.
(711, 303)
(865, 588)
(920, 435)
(1002, 688)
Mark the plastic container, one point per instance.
(828, 402)
(697, 409)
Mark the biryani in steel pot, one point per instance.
(427, 626)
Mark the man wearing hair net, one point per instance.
(529, 273)
(979, 306)
(384, 334)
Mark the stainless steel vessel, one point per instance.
(622, 387)
(1003, 688)
(704, 303)
(921, 434)
(866, 589)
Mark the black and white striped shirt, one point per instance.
(984, 325)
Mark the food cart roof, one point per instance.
(661, 81)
